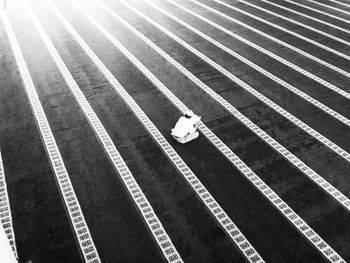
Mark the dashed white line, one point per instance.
(257, 47)
(318, 11)
(82, 232)
(312, 175)
(332, 146)
(5, 209)
(152, 221)
(208, 200)
(301, 225)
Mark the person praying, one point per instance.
(185, 129)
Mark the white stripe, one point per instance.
(222, 218)
(299, 13)
(318, 11)
(332, 146)
(62, 178)
(312, 175)
(5, 209)
(282, 206)
(340, 3)
(261, 49)
(287, 30)
(273, 77)
(287, 19)
(159, 234)
(330, 7)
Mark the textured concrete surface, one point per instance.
(41, 226)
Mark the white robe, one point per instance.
(185, 126)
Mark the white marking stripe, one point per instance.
(155, 226)
(71, 202)
(273, 77)
(330, 7)
(5, 210)
(263, 50)
(225, 222)
(301, 14)
(318, 11)
(301, 225)
(337, 69)
(283, 28)
(342, 199)
(257, 94)
(340, 3)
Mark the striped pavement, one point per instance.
(319, 11)
(330, 7)
(71, 28)
(202, 192)
(298, 13)
(273, 143)
(293, 21)
(71, 202)
(260, 96)
(268, 192)
(5, 209)
(151, 219)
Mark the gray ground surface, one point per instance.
(41, 225)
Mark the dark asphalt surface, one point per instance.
(41, 226)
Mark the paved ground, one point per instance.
(42, 223)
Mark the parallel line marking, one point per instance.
(207, 199)
(340, 3)
(332, 146)
(140, 200)
(329, 7)
(318, 11)
(290, 32)
(5, 210)
(77, 220)
(254, 92)
(257, 47)
(306, 230)
(273, 77)
(302, 14)
(287, 30)
(311, 174)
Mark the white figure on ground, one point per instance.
(185, 129)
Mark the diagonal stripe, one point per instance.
(318, 11)
(208, 200)
(290, 31)
(285, 30)
(5, 210)
(254, 92)
(294, 21)
(273, 77)
(340, 3)
(330, 7)
(152, 221)
(298, 13)
(312, 175)
(257, 47)
(77, 220)
(234, 159)
(261, 97)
